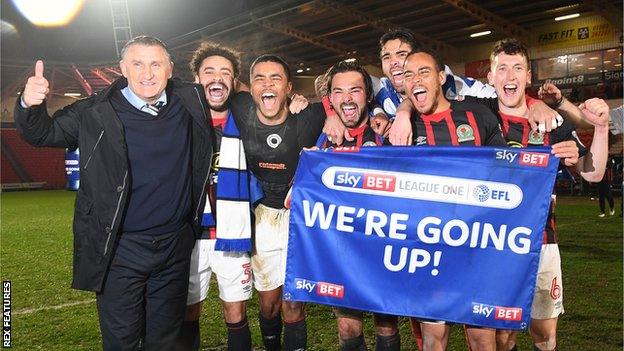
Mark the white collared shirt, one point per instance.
(139, 103)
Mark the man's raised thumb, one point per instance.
(39, 69)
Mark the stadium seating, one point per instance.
(40, 167)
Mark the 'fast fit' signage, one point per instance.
(572, 33)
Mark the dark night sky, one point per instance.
(89, 37)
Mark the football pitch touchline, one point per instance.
(57, 307)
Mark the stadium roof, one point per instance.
(308, 34)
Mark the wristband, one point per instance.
(560, 102)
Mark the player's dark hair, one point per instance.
(271, 58)
(207, 49)
(436, 58)
(510, 46)
(352, 66)
(402, 34)
(145, 40)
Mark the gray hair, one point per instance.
(145, 40)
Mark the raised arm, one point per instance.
(592, 165)
(34, 122)
(551, 95)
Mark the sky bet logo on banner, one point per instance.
(364, 180)
(442, 233)
(320, 288)
(423, 187)
(525, 158)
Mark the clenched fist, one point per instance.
(36, 87)
(596, 112)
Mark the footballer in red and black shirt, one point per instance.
(440, 122)
(510, 74)
(350, 94)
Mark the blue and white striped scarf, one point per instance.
(237, 191)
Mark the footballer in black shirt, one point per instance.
(273, 139)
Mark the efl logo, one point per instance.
(508, 313)
(329, 289)
(365, 180)
(533, 159)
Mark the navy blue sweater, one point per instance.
(159, 154)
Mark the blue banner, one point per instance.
(443, 233)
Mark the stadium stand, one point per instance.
(25, 167)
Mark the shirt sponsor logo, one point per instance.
(274, 140)
(269, 165)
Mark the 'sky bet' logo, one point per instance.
(524, 158)
(533, 159)
(371, 181)
(320, 288)
(497, 312)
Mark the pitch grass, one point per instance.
(36, 253)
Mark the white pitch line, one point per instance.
(57, 307)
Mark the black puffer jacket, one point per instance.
(92, 125)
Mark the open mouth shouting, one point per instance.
(510, 89)
(269, 100)
(349, 113)
(397, 76)
(420, 94)
(217, 92)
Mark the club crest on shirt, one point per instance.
(536, 138)
(421, 140)
(274, 140)
(464, 133)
